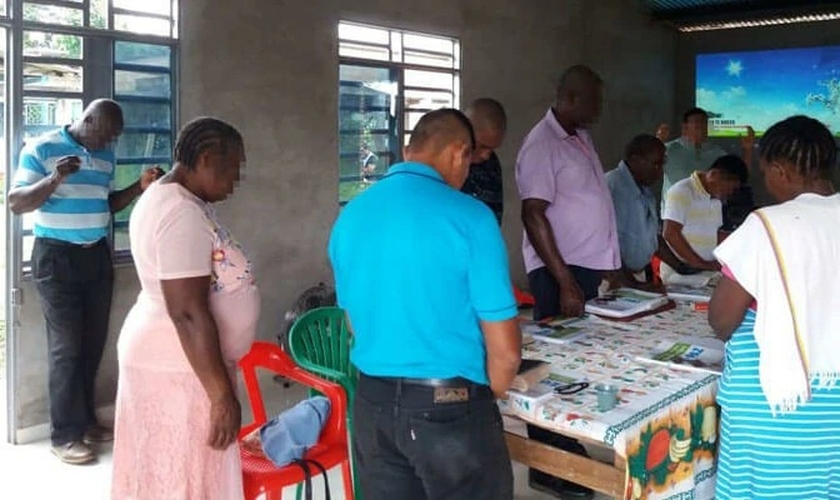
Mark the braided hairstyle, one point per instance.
(203, 134)
(803, 142)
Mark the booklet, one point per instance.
(690, 293)
(558, 330)
(704, 354)
(625, 302)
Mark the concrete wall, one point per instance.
(281, 89)
(772, 37)
(271, 68)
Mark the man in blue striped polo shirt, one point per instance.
(66, 177)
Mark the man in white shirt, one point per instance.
(693, 213)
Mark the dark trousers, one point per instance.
(408, 447)
(74, 285)
(546, 293)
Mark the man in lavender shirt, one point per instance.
(570, 237)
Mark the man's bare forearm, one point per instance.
(28, 198)
(118, 200)
(541, 235)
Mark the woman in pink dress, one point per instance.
(177, 415)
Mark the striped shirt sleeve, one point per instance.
(677, 203)
(30, 169)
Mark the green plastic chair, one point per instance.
(320, 342)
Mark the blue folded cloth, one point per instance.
(287, 436)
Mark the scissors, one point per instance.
(571, 388)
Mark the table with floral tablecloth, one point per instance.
(665, 423)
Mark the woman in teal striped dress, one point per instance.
(778, 306)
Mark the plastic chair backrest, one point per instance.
(270, 357)
(320, 342)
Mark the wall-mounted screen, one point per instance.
(759, 88)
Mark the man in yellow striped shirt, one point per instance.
(693, 213)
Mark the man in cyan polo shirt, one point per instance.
(444, 341)
(484, 181)
(66, 177)
(630, 184)
(570, 240)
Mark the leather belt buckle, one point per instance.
(445, 395)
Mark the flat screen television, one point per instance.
(759, 88)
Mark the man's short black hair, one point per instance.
(732, 165)
(441, 127)
(693, 112)
(641, 145)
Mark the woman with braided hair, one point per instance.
(778, 307)
(177, 414)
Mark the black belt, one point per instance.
(427, 382)
(437, 382)
(61, 243)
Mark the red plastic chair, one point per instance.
(523, 299)
(259, 475)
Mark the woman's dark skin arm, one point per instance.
(187, 301)
(727, 308)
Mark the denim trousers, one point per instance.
(74, 285)
(408, 447)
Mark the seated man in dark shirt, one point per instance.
(485, 178)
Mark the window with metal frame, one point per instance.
(388, 79)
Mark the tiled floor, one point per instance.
(31, 472)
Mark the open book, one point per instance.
(558, 331)
(625, 302)
(705, 354)
(690, 293)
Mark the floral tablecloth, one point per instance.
(665, 422)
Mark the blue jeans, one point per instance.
(408, 447)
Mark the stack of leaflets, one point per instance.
(558, 330)
(690, 293)
(625, 302)
(526, 402)
(704, 354)
(531, 372)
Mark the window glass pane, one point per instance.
(142, 54)
(412, 118)
(42, 115)
(28, 243)
(99, 13)
(134, 83)
(124, 176)
(143, 114)
(368, 142)
(51, 77)
(427, 99)
(160, 7)
(143, 25)
(363, 34)
(424, 59)
(52, 14)
(428, 79)
(144, 145)
(44, 44)
(428, 43)
(360, 51)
